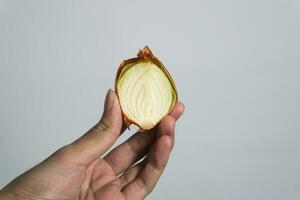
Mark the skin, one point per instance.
(79, 170)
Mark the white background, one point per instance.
(235, 62)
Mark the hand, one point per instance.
(77, 171)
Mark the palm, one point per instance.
(98, 183)
(114, 177)
(101, 182)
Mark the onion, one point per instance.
(145, 89)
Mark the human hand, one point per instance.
(77, 171)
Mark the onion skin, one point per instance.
(146, 55)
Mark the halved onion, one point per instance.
(145, 89)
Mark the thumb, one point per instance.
(102, 136)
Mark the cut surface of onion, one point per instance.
(145, 89)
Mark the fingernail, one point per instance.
(109, 100)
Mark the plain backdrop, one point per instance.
(236, 64)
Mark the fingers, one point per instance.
(131, 173)
(175, 114)
(130, 151)
(137, 145)
(156, 162)
(177, 110)
(102, 136)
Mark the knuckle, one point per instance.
(127, 178)
(147, 189)
(103, 126)
(141, 183)
(158, 164)
(133, 146)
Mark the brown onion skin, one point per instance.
(144, 54)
